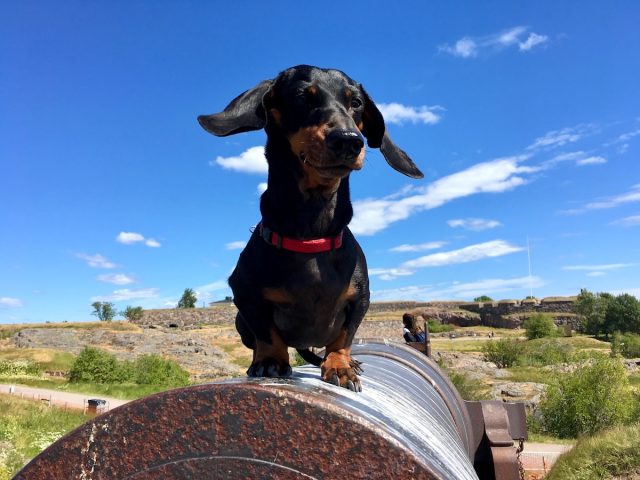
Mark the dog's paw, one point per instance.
(341, 370)
(269, 367)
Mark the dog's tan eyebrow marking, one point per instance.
(277, 295)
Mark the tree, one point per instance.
(540, 325)
(132, 313)
(591, 310)
(483, 298)
(188, 299)
(105, 311)
(623, 314)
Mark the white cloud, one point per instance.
(399, 114)
(373, 215)
(389, 273)
(472, 253)
(475, 224)
(629, 197)
(126, 294)
(96, 261)
(466, 291)
(130, 238)
(558, 138)
(599, 268)
(468, 47)
(251, 160)
(211, 291)
(10, 302)
(533, 40)
(262, 187)
(625, 137)
(418, 248)
(237, 245)
(631, 221)
(116, 278)
(595, 160)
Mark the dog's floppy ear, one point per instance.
(377, 137)
(243, 114)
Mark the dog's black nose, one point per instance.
(345, 143)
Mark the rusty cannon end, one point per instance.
(408, 423)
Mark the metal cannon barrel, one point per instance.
(408, 423)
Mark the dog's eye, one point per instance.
(356, 103)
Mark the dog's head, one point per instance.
(324, 115)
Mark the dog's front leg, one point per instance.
(338, 367)
(270, 359)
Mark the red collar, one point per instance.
(316, 245)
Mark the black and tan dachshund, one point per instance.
(302, 279)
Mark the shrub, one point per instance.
(627, 345)
(540, 325)
(12, 368)
(593, 397)
(545, 351)
(503, 352)
(132, 313)
(437, 327)
(155, 370)
(98, 366)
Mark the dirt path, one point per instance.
(58, 398)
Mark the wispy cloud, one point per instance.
(237, 245)
(10, 302)
(610, 202)
(96, 261)
(421, 247)
(580, 159)
(471, 253)
(475, 224)
(594, 160)
(126, 294)
(262, 187)
(520, 37)
(398, 114)
(632, 221)
(251, 160)
(466, 291)
(598, 270)
(211, 291)
(558, 138)
(130, 238)
(116, 278)
(375, 214)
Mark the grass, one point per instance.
(529, 374)
(610, 454)
(48, 359)
(26, 428)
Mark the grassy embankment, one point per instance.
(26, 428)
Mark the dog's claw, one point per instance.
(269, 368)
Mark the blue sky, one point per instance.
(525, 118)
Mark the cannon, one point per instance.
(409, 422)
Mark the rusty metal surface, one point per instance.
(496, 453)
(277, 428)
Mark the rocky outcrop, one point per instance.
(194, 350)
